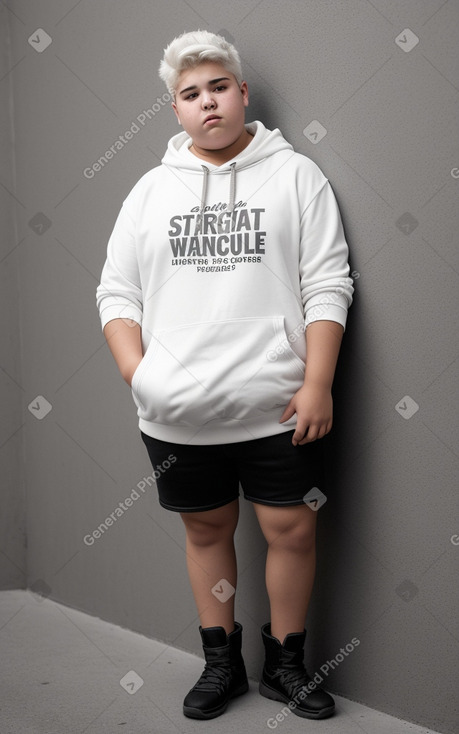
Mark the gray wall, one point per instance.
(387, 550)
(12, 391)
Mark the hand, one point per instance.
(313, 405)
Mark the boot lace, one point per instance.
(293, 679)
(214, 676)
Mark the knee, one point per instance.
(205, 533)
(299, 538)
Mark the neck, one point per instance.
(222, 155)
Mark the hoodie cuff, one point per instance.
(327, 307)
(120, 311)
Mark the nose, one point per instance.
(208, 102)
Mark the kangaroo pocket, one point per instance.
(217, 371)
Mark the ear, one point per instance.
(174, 107)
(245, 93)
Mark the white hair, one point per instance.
(190, 49)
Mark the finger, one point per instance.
(297, 436)
(288, 412)
(317, 432)
(301, 430)
(312, 434)
(305, 440)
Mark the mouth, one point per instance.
(211, 119)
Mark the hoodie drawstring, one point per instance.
(232, 193)
(232, 187)
(204, 191)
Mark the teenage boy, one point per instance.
(224, 299)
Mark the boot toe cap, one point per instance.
(318, 703)
(196, 699)
(198, 705)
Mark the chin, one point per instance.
(214, 144)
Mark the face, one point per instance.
(209, 104)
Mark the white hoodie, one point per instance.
(224, 267)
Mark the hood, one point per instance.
(264, 144)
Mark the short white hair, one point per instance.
(190, 49)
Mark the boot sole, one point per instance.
(274, 695)
(193, 713)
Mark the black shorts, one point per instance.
(271, 471)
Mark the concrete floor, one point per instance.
(64, 672)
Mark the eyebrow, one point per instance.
(212, 81)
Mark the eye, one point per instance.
(220, 88)
(191, 96)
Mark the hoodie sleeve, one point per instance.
(119, 294)
(326, 287)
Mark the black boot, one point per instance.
(224, 675)
(285, 678)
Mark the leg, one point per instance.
(290, 564)
(210, 557)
